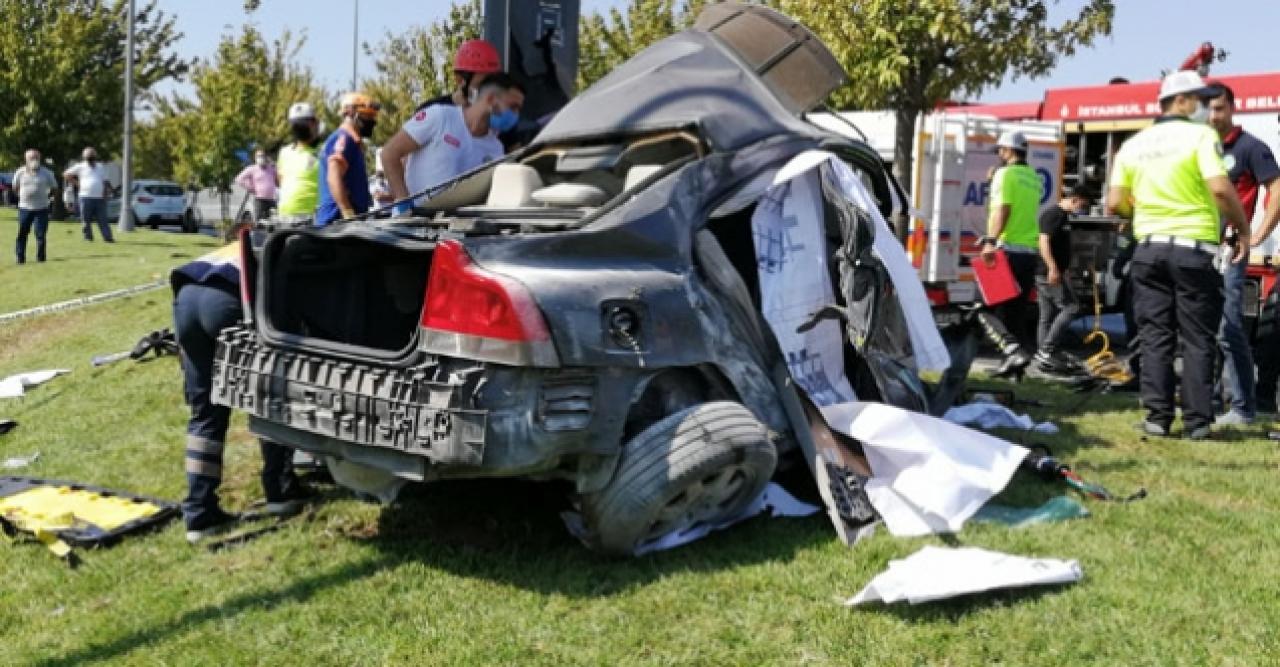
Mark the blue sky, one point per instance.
(1148, 35)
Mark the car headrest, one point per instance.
(572, 195)
(513, 186)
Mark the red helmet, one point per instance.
(477, 56)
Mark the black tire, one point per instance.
(700, 465)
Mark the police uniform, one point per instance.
(206, 301)
(1177, 290)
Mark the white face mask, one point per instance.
(1201, 114)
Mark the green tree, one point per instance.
(606, 41)
(913, 56)
(63, 67)
(241, 103)
(416, 65)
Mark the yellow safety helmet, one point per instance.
(361, 104)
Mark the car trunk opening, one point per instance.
(345, 291)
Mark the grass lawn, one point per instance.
(483, 573)
(77, 268)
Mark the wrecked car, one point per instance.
(585, 309)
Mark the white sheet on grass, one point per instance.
(928, 475)
(15, 386)
(936, 573)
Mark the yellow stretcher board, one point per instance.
(60, 514)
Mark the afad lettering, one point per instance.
(976, 194)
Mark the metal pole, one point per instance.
(355, 45)
(126, 169)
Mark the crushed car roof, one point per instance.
(690, 78)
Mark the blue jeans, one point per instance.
(26, 220)
(95, 209)
(1237, 354)
(200, 313)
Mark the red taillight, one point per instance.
(466, 299)
(479, 314)
(145, 200)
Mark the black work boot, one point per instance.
(1014, 365)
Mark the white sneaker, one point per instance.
(1232, 418)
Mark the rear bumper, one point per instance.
(396, 408)
(464, 418)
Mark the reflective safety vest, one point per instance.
(299, 168)
(1018, 186)
(1165, 167)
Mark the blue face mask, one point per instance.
(503, 120)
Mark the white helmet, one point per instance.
(1015, 140)
(301, 111)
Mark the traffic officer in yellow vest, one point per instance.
(1013, 227)
(1170, 179)
(298, 164)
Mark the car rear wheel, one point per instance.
(699, 466)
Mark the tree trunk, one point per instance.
(904, 141)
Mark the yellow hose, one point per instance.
(1103, 363)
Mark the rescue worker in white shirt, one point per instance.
(443, 141)
(93, 189)
(299, 164)
(1171, 180)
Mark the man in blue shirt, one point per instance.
(344, 178)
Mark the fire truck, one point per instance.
(1082, 128)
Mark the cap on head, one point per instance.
(301, 111)
(1015, 140)
(478, 56)
(1185, 82)
(361, 105)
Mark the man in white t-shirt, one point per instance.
(93, 188)
(440, 142)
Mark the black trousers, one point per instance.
(1177, 302)
(1012, 324)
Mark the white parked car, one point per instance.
(155, 203)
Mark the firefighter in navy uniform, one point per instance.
(206, 301)
(1171, 180)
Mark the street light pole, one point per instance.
(126, 169)
(355, 45)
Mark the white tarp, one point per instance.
(928, 475)
(15, 386)
(936, 573)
